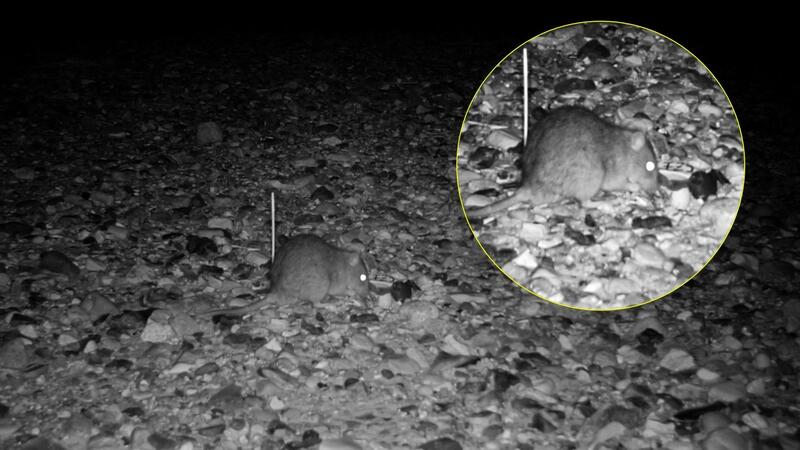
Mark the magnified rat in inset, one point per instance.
(607, 177)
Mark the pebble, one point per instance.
(102, 198)
(707, 376)
(593, 50)
(757, 387)
(95, 265)
(339, 444)
(256, 258)
(418, 313)
(58, 262)
(41, 443)
(224, 223)
(713, 420)
(647, 323)
(5, 282)
(679, 107)
(66, 339)
(755, 420)
(709, 110)
(533, 232)
(681, 198)
(762, 361)
(28, 331)
(98, 305)
(402, 365)
(634, 60)
(13, 354)
(648, 255)
(208, 133)
(158, 329)
(677, 360)
(728, 392)
(444, 443)
(526, 260)
(332, 141)
(503, 139)
(725, 439)
(8, 427)
(719, 212)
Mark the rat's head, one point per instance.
(642, 165)
(355, 275)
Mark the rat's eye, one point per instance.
(650, 166)
(363, 277)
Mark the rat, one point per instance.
(574, 153)
(308, 268)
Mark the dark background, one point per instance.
(752, 53)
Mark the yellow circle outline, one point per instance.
(458, 152)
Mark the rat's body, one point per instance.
(308, 268)
(573, 153)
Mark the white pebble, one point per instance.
(527, 260)
(709, 110)
(502, 139)
(680, 199)
(679, 107)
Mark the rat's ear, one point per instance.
(637, 140)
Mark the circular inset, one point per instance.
(628, 180)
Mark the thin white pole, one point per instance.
(525, 96)
(272, 214)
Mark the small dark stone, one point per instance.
(650, 336)
(535, 358)
(639, 402)
(326, 128)
(702, 184)
(58, 262)
(238, 338)
(364, 318)
(311, 329)
(16, 228)
(120, 364)
(40, 443)
(310, 437)
(402, 290)
(209, 367)
(593, 50)
(578, 237)
(305, 219)
(133, 411)
(18, 319)
(693, 414)
(589, 221)
(213, 270)
(230, 394)
(161, 442)
(524, 403)
(651, 222)
(540, 423)
(441, 444)
(322, 193)
(504, 380)
(425, 427)
(573, 84)
(197, 202)
(202, 246)
(238, 424)
(3, 411)
(483, 157)
(701, 81)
